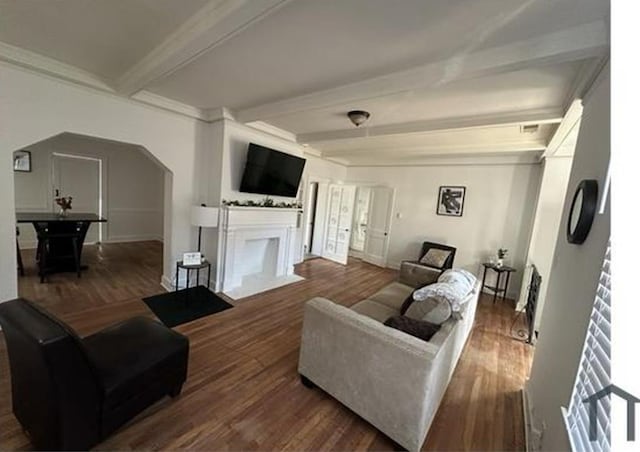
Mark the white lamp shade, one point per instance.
(206, 217)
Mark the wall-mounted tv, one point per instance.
(271, 172)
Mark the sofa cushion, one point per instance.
(393, 295)
(374, 310)
(415, 274)
(416, 328)
(433, 309)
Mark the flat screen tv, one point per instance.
(271, 172)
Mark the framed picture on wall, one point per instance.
(451, 201)
(22, 161)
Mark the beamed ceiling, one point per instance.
(440, 77)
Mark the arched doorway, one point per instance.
(121, 182)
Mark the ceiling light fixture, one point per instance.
(358, 117)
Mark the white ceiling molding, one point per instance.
(584, 41)
(210, 26)
(218, 114)
(571, 118)
(439, 150)
(586, 77)
(170, 105)
(529, 158)
(48, 66)
(538, 116)
(272, 130)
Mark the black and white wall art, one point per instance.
(451, 201)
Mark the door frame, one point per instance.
(392, 204)
(326, 219)
(101, 181)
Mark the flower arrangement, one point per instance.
(502, 253)
(65, 204)
(267, 202)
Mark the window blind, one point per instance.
(594, 372)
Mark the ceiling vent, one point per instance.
(532, 128)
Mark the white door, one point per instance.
(376, 243)
(79, 177)
(339, 217)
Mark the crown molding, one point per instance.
(165, 103)
(273, 130)
(48, 66)
(209, 27)
(528, 158)
(537, 116)
(576, 43)
(438, 150)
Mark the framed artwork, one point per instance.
(451, 201)
(22, 161)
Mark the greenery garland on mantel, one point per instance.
(266, 202)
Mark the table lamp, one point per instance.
(204, 217)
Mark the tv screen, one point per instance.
(270, 172)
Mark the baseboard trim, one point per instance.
(134, 238)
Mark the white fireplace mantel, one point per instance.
(276, 227)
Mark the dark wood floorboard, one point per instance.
(243, 391)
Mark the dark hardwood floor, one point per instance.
(243, 391)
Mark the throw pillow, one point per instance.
(416, 328)
(435, 258)
(433, 309)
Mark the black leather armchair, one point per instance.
(417, 274)
(71, 393)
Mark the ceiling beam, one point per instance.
(213, 24)
(570, 120)
(537, 116)
(48, 66)
(584, 41)
(431, 150)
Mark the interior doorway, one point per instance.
(312, 203)
(80, 177)
(360, 221)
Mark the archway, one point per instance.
(132, 187)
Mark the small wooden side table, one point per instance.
(205, 264)
(500, 270)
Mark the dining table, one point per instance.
(60, 232)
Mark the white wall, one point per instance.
(573, 281)
(498, 211)
(34, 107)
(133, 193)
(546, 226)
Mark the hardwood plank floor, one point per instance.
(243, 391)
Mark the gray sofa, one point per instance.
(391, 379)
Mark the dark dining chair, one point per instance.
(59, 246)
(19, 254)
(70, 393)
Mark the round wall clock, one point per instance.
(583, 211)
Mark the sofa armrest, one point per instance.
(380, 373)
(415, 274)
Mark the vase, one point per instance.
(63, 212)
(499, 262)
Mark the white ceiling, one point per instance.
(438, 76)
(104, 37)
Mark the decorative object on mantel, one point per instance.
(502, 253)
(583, 211)
(204, 217)
(65, 204)
(266, 202)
